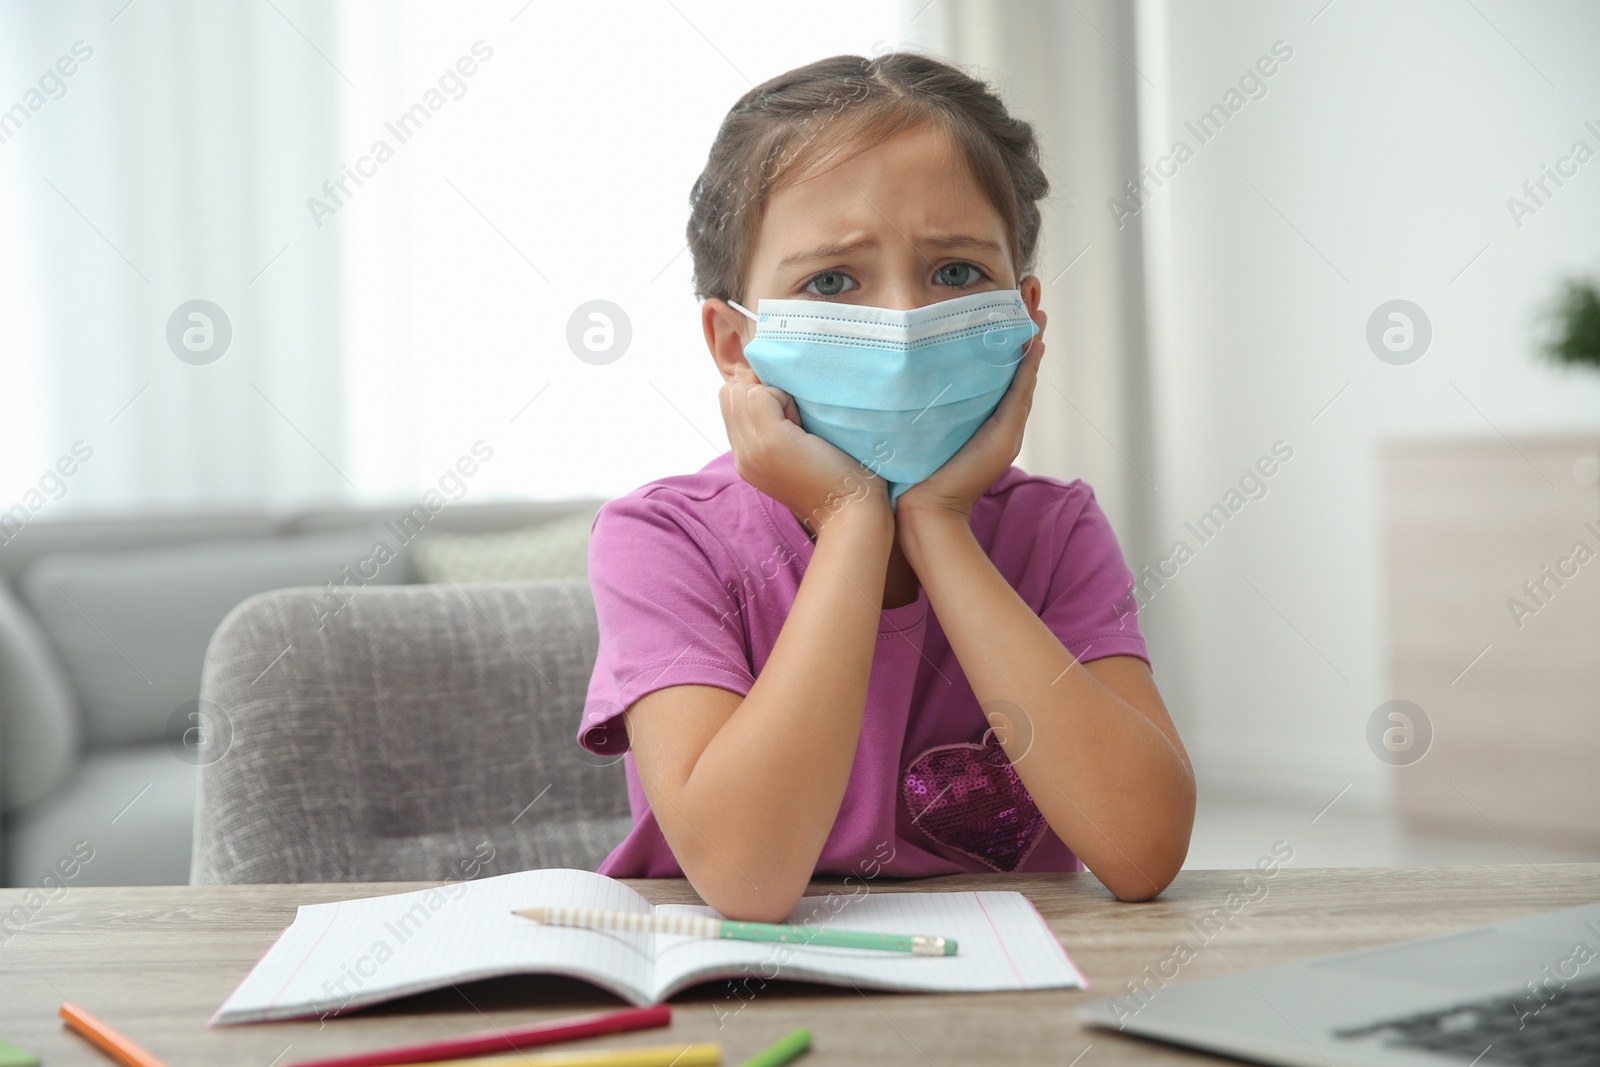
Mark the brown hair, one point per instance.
(775, 134)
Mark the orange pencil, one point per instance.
(106, 1039)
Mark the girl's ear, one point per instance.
(1032, 291)
(724, 329)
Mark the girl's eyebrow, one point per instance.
(833, 251)
(961, 240)
(941, 241)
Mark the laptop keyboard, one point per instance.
(1558, 1028)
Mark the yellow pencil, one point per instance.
(698, 1054)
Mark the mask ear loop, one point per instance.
(740, 307)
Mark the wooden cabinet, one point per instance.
(1474, 528)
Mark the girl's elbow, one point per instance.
(747, 903)
(1136, 890)
(762, 910)
(1147, 880)
(746, 893)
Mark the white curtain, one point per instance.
(170, 165)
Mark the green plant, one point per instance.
(1575, 325)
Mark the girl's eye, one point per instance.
(958, 275)
(830, 283)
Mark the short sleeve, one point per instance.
(1091, 606)
(664, 615)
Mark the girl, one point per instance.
(862, 641)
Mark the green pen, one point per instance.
(694, 926)
(782, 1050)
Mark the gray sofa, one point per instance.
(104, 625)
(428, 733)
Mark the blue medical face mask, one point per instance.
(901, 391)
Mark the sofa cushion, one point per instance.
(555, 549)
(39, 728)
(133, 807)
(131, 628)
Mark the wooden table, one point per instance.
(156, 961)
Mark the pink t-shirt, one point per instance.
(693, 577)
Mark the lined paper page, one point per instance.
(348, 954)
(1003, 943)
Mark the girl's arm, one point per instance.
(1092, 741)
(746, 790)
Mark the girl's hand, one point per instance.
(967, 475)
(777, 456)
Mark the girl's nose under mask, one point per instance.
(901, 391)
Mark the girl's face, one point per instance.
(899, 225)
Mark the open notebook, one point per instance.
(347, 954)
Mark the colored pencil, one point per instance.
(781, 1051)
(508, 1040)
(700, 1054)
(106, 1039)
(595, 919)
(12, 1056)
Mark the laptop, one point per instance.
(1525, 991)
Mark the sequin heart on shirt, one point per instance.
(969, 797)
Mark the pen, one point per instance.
(106, 1039)
(507, 1040)
(595, 919)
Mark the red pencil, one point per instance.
(511, 1040)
